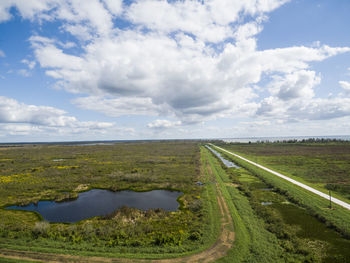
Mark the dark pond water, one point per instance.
(227, 163)
(99, 202)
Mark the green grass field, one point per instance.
(295, 227)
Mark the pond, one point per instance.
(227, 163)
(98, 202)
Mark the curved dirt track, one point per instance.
(218, 250)
(221, 246)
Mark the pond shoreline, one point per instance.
(100, 202)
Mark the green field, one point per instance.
(224, 220)
(322, 165)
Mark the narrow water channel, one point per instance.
(226, 162)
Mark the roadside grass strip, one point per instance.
(316, 205)
(334, 200)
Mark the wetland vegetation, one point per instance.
(57, 172)
(234, 215)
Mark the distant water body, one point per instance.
(274, 139)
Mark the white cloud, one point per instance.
(79, 31)
(304, 110)
(163, 124)
(345, 85)
(67, 44)
(325, 109)
(208, 21)
(19, 129)
(297, 85)
(28, 132)
(4, 13)
(30, 64)
(24, 73)
(114, 6)
(50, 56)
(192, 84)
(119, 106)
(277, 128)
(256, 124)
(293, 99)
(191, 61)
(90, 15)
(187, 16)
(2, 53)
(27, 9)
(12, 112)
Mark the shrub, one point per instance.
(41, 229)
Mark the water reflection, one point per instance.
(99, 202)
(227, 163)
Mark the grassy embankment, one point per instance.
(338, 218)
(322, 165)
(249, 239)
(254, 242)
(33, 173)
(294, 235)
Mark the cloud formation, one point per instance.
(297, 85)
(20, 118)
(191, 61)
(345, 85)
(115, 107)
(163, 124)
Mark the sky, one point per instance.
(157, 69)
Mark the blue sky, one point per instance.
(113, 69)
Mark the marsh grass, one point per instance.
(141, 166)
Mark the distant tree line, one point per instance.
(309, 140)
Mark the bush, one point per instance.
(195, 235)
(41, 229)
